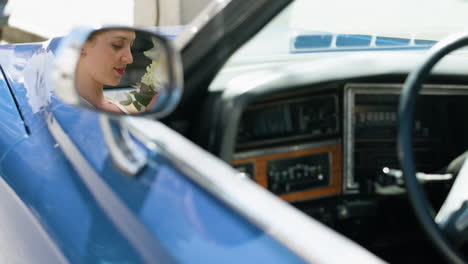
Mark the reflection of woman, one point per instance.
(103, 61)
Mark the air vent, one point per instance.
(317, 41)
(386, 41)
(313, 41)
(353, 40)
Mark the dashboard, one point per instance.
(318, 130)
(337, 140)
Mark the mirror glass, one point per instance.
(121, 71)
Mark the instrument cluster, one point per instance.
(325, 144)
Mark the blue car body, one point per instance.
(101, 216)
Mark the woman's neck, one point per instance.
(89, 89)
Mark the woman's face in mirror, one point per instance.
(107, 54)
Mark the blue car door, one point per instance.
(36, 170)
(57, 163)
(22, 238)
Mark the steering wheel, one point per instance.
(448, 229)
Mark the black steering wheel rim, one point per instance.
(406, 109)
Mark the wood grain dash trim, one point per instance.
(260, 163)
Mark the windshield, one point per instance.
(331, 26)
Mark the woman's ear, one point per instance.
(84, 49)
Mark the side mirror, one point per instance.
(118, 70)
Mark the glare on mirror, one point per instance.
(121, 71)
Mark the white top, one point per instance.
(120, 106)
(110, 100)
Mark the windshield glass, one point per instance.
(330, 26)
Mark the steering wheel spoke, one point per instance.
(457, 196)
(456, 227)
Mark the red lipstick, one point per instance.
(120, 71)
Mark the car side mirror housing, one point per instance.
(118, 70)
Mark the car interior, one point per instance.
(322, 137)
(314, 120)
(324, 146)
(317, 127)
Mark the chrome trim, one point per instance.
(212, 9)
(349, 185)
(393, 88)
(350, 90)
(277, 150)
(330, 169)
(301, 234)
(125, 154)
(243, 174)
(176, 79)
(131, 228)
(64, 66)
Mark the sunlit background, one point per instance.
(35, 20)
